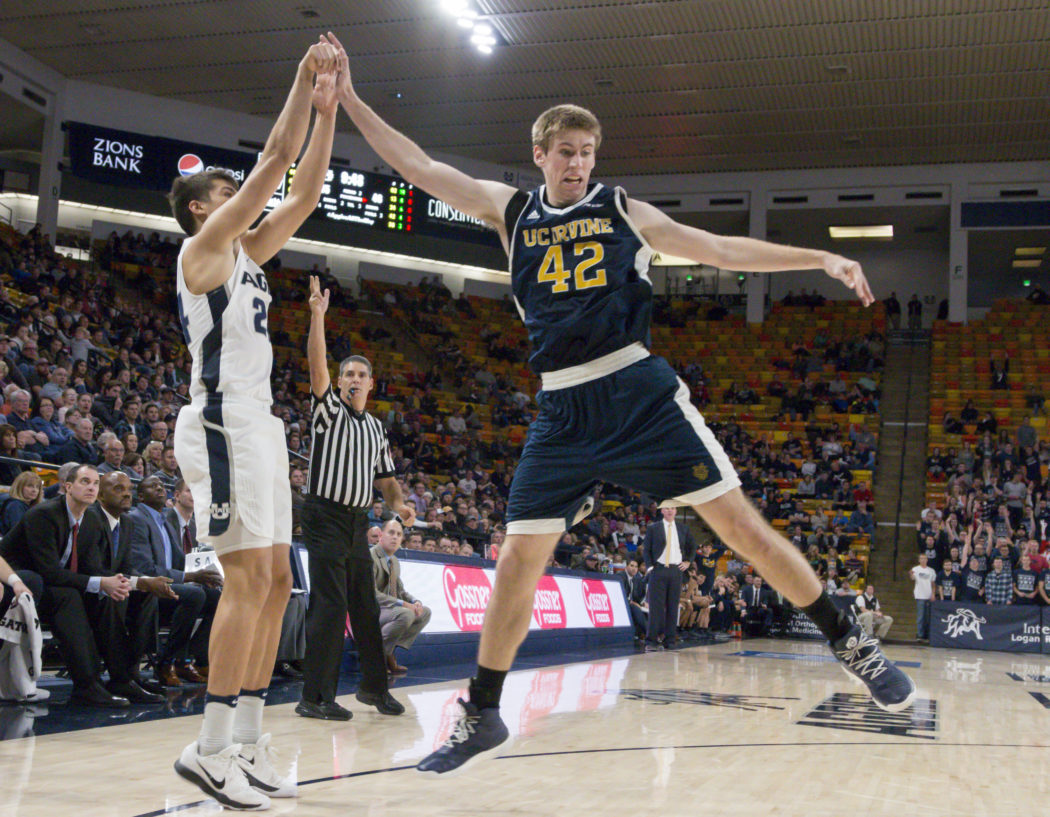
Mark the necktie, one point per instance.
(73, 553)
(116, 539)
(667, 547)
(187, 541)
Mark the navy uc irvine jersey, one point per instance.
(580, 276)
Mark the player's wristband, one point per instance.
(13, 579)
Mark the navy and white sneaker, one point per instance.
(479, 733)
(863, 660)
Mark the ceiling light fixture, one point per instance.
(1027, 263)
(1030, 250)
(482, 34)
(883, 231)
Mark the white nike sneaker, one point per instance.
(221, 776)
(258, 761)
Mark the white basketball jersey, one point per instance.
(227, 334)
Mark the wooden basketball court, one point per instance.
(757, 727)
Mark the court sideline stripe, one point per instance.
(568, 752)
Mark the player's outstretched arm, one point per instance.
(482, 199)
(666, 235)
(273, 232)
(316, 347)
(282, 147)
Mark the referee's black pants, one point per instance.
(665, 591)
(341, 583)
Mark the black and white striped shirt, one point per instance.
(349, 451)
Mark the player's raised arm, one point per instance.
(273, 232)
(482, 199)
(666, 235)
(226, 223)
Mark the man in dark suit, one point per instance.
(635, 586)
(56, 543)
(668, 549)
(138, 616)
(156, 551)
(180, 516)
(758, 614)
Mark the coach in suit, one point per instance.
(138, 615)
(758, 613)
(55, 546)
(401, 616)
(156, 551)
(668, 549)
(636, 587)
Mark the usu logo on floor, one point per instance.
(858, 713)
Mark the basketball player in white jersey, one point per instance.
(230, 447)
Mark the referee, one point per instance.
(349, 454)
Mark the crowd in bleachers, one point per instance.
(97, 372)
(986, 467)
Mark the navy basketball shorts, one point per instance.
(634, 427)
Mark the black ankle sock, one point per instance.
(833, 622)
(486, 687)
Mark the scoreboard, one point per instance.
(373, 201)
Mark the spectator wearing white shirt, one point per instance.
(924, 576)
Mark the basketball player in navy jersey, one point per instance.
(229, 445)
(609, 410)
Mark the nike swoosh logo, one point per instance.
(216, 783)
(256, 783)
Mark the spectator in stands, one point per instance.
(168, 473)
(1025, 580)
(9, 471)
(33, 442)
(870, 615)
(401, 616)
(112, 457)
(998, 583)
(893, 310)
(27, 490)
(914, 313)
(947, 583)
(81, 448)
(1026, 434)
(860, 521)
(1000, 373)
(971, 582)
(924, 577)
(44, 421)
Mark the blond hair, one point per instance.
(562, 118)
(18, 487)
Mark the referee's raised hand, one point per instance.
(318, 301)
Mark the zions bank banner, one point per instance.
(458, 595)
(125, 159)
(1007, 628)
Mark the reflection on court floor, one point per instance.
(770, 729)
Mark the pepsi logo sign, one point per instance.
(467, 592)
(596, 600)
(190, 163)
(548, 607)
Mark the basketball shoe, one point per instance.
(480, 732)
(258, 761)
(221, 776)
(863, 660)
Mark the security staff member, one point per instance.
(669, 547)
(349, 454)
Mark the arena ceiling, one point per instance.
(681, 87)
